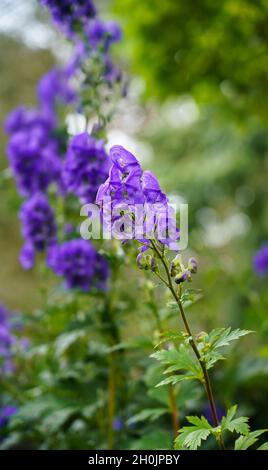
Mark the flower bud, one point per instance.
(146, 262)
(176, 266)
(139, 261)
(183, 276)
(201, 336)
(192, 265)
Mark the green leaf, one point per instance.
(191, 437)
(216, 339)
(263, 446)
(149, 414)
(168, 336)
(239, 425)
(223, 336)
(57, 419)
(174, 379)
(154, 440)
(191, 296)
(244, 442)
(65, 340)
(177, 360)
(137, 342)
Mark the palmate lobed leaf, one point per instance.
(218, 338)
(170, 336)
(174, 379)
(263, 446)
(244, 442)
(191, 296)
(191, 437)
(177, 360)
(230, 423)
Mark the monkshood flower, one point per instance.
(118, 424)
(38, 228)
(5, 414)
(7, 340)
(53, 87)
(23, 119)
(86, 167)
(260, 261)
(34, 159)
(139, 208)
(102, 34)
(70, 14)
(79, 264)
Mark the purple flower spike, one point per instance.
(79, 264)
(260, 261)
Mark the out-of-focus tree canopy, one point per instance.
(216, 50)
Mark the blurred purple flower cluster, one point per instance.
(260, 261)
(8, 341)
(69, 15)
(79, 20)
(136, 195)
(79, 264)
(37, 146)
(38, 228)
(5, 414)
(86, 167)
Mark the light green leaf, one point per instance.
(216, 339)
(223, 336)
(244, 442)
(263, 446)
(57, 419)
(239, 425)
(151, 414)
(191, 437)
(171, 335)
(65, 340)
(179, 359)
(191, 296)
(174, 379)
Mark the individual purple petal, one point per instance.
(124, 160)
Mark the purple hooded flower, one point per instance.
(79, 264)
(38, 228)
(86, 167)
(5, 414)
(136, 202)
(260, 261)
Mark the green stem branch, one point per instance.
(207, 383)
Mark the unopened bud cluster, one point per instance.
(146, 261)
(180, 272)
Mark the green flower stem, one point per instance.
(171, 392)
(207, 383)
